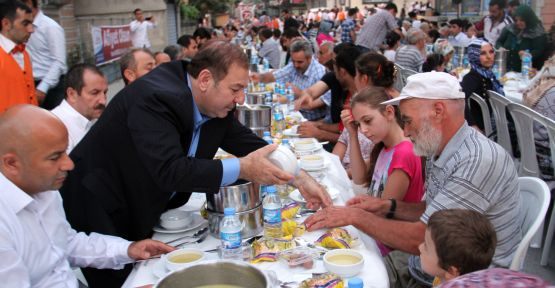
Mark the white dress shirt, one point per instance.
(8, 45)
(37, 244)
(77, 125)
(461, 40)
(47, 48)
(139, 35)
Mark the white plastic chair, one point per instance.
(534, 201)
(550, 127)
(524, 122)
(498, 106)
(484, 109)
(400, 81)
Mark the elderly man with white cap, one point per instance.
(464, 169)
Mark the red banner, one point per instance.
(110, 42)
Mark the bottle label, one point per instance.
(231, 240)
(272, 216)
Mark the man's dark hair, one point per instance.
(202, 33)
(514, 3)
(290, 33)
(412, 14)
(185, 40)
(266, 33)
(432, 62)
(459, 22)
(35, 4)
(501, 4)
(277, 33)
(8, 10)
(391, 38)
(434, 35)
(346, 59)
(127, 61)
(286, 11)
(217, 56)
(74, 78)
(391, 6)
(136, 10)
(342, 46)
(464, 239)
(172, 51)
(352, 12)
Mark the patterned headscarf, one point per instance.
(474, 59)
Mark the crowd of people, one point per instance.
(440, 198)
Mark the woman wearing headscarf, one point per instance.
(527, 33)
(479, 80)
(540, 96)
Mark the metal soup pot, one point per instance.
(252, 220)
(254, 116)
(255, 98)
(217, 273)
(241, 195)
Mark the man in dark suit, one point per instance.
(154, 146)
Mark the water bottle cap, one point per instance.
(271, 189)
(266, 133)
(229, 211)
(355, 282)
(284, 141)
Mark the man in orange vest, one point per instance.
(16, 76)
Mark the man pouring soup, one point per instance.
(154, 146)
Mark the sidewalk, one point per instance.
(114, 88)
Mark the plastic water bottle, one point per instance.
(279, 122)
(526, 64)
(355, 282)
(266, 136)
(272, 213)
(290, 100)
(230, 234)
(268, 99)
(495, 70)
(465, 62)
(266, 65)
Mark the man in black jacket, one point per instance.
(154, 146)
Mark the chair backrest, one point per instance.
(524, 123)
(549, 125)
(498, 106)
(484, 109)
(400, 81)
(534, 201)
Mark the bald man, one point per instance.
(38, 247)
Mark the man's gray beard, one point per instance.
(427, 142)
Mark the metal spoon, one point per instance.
(199, 240)
(197, 234)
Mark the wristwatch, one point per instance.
(391, 212)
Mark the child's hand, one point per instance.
(348, 121)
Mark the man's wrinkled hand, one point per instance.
(369, 203)
(314, 194)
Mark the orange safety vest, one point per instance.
(16, 86)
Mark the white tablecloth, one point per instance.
(373, 274)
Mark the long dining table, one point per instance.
(373, 273)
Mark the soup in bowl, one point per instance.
(344, 262)
(182, 258)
